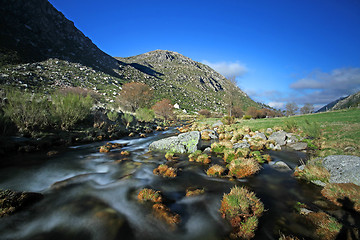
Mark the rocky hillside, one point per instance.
(191, 84)
(342, 103)
(33, 31)
(351, 101)
(41, 50)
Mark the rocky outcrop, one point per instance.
(343, 168)
(183, 143)
(33, 30)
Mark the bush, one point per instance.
(71, 108)
(242, 208)
(145, 114)
(28, 111)
(227, 120)
(112, 116)
(127, 119)
(204, 112)
(237, 112)
(247, 117)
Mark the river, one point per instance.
(93, 195)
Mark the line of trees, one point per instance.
(138, 97)
(292, 108)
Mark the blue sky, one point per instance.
(303, 51)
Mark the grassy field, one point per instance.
(332, 132)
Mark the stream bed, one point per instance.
(93, 195)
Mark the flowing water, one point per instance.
(92, 195)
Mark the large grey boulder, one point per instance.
(298, 146)
(279, 137)
(183, 143)
(343, 168)
(260, 135)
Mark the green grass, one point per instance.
(331, 132)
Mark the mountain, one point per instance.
(329, 106)
(191, 84)
(342, 103)
(351, 101)
(33, 31)
(41, 50)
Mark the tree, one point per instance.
(307, 108)
(135, 95)
(252, 111)
(237, 112)
(291, 108)
(230, 98)
(163, 109)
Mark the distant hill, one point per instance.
(351, 101)
(329, 106)
(343, 103)
(41, 50)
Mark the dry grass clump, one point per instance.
(346, 195)
(326, 227)
(215, 171)
(170, 156)
(199, 157)
(242, 208)
(194, 192)
(164, 213)
(284, 237)
(312, 171)
(165, 171)
(205, 135)
(243, 167)
(147, 194)
(219, 147)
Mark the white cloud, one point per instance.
(228, 69)
(341, 80)
(278, 105)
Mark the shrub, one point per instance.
(242, 208)
(164, 109)
(313, 171)
(247, 117)
(135, 95)
(165, 171)
(215, 171)
(28, 111)
(290, 125)
(145, 114)
(69, 109)
(151, 195)
(127, 119)
(227, 120)
(112, 116)
(237, 112)
(311, 130)
(243, 167)
(194, 192)
(204, 112)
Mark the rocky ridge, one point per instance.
(41, 50)
(191, 84)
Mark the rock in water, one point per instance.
(11, 201)
(343, 168)
(279, 137)
(183, 143)
(299, 146)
